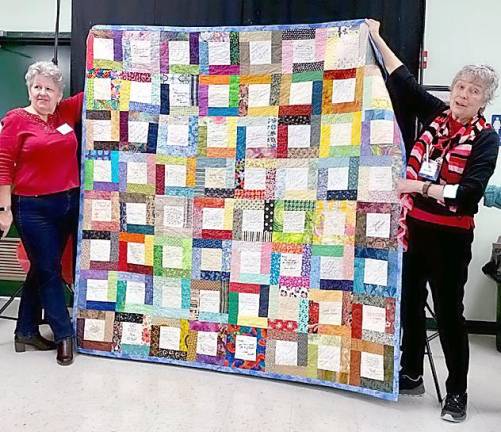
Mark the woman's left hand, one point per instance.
(409, 186)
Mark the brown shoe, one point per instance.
(65, 352)
(37, 342)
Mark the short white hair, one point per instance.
(484, 75)
(46, 69)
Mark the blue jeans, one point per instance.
(44, 224)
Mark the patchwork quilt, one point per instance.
(239, 210)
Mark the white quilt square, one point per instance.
(294, 221)
(378, 225)
(372, 366)
(171, 294)
(285, 353)
(207, 343)
(250, 262)
(101, 130)
(97, 290)
(101, 210)
(253, 220)
(172, 257)
(209, 301)
(178, 135)
(170, 338)
(380, 179)
(140, 92)
(215, 178)
(132, 333)
(330, 313)
(382, 131)
(296, 179)
(288, 308)
(174, 216)
(303, 51)
(179, 52)
(140, 51)
(211, 259)
(217, 135)
(94, 330)
(102, 88)
(137, 173)
(260, 52)
(138, 132)
(343, 90)
(248, 304)
(180, 95)
(219, 96)
(341, 134)
(213, 218)
(338, 178)
(331, 268)
(100, 250)
(334, 223)
(259, 95)
(255, 179)
(374, 318)
(135, 253)
(376, 272)
(103, 49)
(219, 53)
(329, 358)
(102, 171)
(300, 93)
(256, 136)
(136, 213)
(175, 175)
(245, 347)
(291, 264)
(135, 292)
(298, 136)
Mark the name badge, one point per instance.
(65, 129)
(430, 170)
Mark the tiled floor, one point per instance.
(102, 395)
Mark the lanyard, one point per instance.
(429, 149)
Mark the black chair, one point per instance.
(429, 353)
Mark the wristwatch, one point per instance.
(5, 209)
(426, 187)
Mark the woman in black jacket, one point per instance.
(447, 172)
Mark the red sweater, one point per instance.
(35, 157)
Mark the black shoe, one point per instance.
(454, 407)
(65, 352)
(411, 386)
(37, 342)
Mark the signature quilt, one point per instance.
(239, 210)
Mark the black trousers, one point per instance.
(438, 256)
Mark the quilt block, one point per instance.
(239, 210)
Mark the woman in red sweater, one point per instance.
(39, 192)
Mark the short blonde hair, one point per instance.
(46, 69)
(485, 75)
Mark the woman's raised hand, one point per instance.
(373, 26)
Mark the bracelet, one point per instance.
(426, 187)
(5, 209)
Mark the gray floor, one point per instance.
(97, 394)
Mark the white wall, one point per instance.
(460, 32)
(34, 15)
